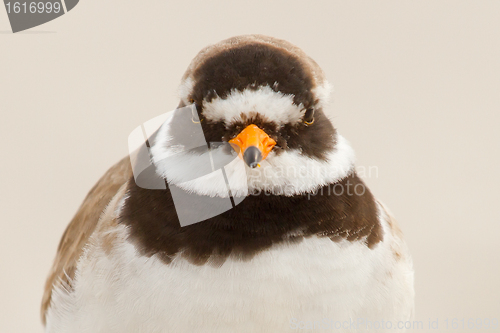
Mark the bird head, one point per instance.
(265, 98)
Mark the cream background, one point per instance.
(417, 94)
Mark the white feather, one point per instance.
(288, 173)
(316, 279)
(269, 104)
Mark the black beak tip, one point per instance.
(252, 156)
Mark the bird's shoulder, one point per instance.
(81, 228)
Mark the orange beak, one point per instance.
(254, 145)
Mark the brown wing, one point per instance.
(82, 226)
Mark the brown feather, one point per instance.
(81, 228)
(238, 41)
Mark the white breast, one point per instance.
(316, 281)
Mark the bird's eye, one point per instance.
(309, 117)
(195, 116)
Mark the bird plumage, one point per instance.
(306, 242)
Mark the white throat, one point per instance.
(289, 173)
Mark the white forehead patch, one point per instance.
(274, 106)
(271, 105)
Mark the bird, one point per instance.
(302, 244)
